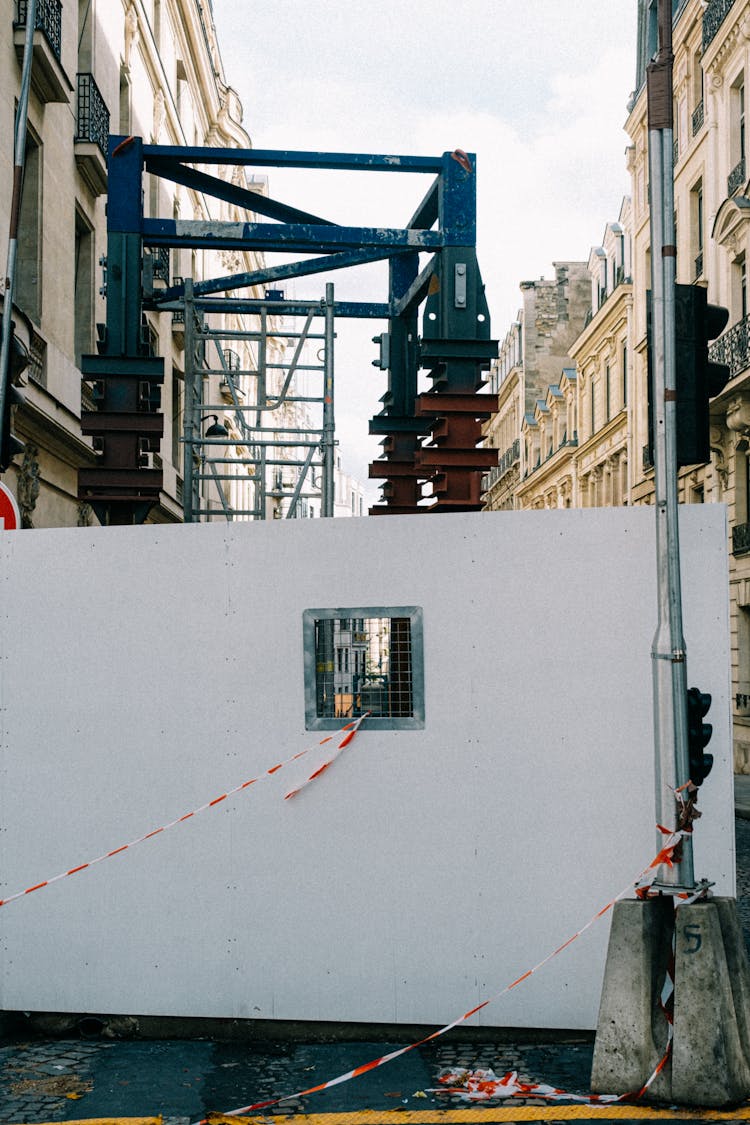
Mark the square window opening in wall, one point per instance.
(364, 659)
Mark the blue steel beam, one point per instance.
(279, 158)
(279, 273)
(426, 215)
(286, 237)
(458, 198)
(417, 291)
(231, 193)
(348, 308)
(362, 309)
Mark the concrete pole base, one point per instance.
(710, 1062)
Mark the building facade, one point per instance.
(145, 67)
(534, 351)
(598, 402)
(149, 68)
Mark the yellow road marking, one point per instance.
(488, 1115)
(107, 1121)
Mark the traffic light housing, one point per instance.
(18, 361)
(697, 379)
(699, 735)
(383, 340)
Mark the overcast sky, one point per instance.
(538, 89)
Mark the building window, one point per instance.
(741, 118)
(737, 136)
(696, 222)
(739, 302)
(373, 665)
(624, 375)
(698, 108)
(28, 293)
(178, 414)
(608, 392)
(83, 288)
(125, 101)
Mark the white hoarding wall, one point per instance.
(145, 671)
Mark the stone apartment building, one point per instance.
(578, 439)
(150, 68)
(597, 400)
(712, 211)
(532, 355)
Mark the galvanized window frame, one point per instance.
(415, 721)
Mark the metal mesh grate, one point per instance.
(364, 664)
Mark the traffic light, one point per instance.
(699, 735)
(697, 379)
(383, 340)
(18, 361)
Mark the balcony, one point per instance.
(733, 348)
(713, 17)
(698, 117)
(48, 79)
(736, 177)
(741, 539)
(509, 458)
(92, 134)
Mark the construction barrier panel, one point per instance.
(148, 671)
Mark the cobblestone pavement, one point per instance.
(69, 1080)
(65, 1079)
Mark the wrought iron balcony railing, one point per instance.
(736, 177)
(508, 459)
(48, 21)
(713, 17)
(698, 117)
(733, 347)
(93, 115)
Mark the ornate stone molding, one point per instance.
(132, 33)
(738, 413)
(231, 260)
(160, 113)
(28, 484)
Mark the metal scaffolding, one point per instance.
(273, 470)
(431, 440)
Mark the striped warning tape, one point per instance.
(321, 769)
(644, 879)
(348, 732)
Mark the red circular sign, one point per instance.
(10, 517)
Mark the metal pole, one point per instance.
(328, 443)
(668, 648)
(22, 114)
(188, 474)
(261, 394)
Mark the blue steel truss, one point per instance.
(456, 344)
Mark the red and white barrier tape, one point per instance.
(321, 769)
(348, 731)
(481, 1085)
(644, 879)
